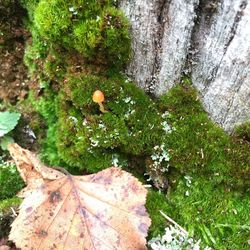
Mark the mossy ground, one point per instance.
(208, 174)
(10, 184)
(209, 191)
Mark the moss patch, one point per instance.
(212, 213)
(6, 214)
(73, 53)
(197, 145)
(209, 193)
(10, 180)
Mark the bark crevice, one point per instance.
(208, 39)
(163, 7)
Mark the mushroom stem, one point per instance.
(102, 109)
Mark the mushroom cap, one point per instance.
(98, 96)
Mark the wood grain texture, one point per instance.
(221, 69)
(208, 39)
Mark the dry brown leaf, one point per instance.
(100, 211)
(4, 247)
(31, 170)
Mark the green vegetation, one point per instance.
(156, 202)
(210, 212)
(85, 135)
(197, 145)
(203, 173)
(209, 178)
(72, 54)
(10, 183)
(10, 180)
(8, 121)
(6, 214)
(96, 29)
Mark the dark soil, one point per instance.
(7, 245)
(13, 73)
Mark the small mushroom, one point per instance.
(98, 97)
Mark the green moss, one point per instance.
(53, 20)
(99, 33)
(46, 107)
(35, 51)
(199, 146)
(68, 37)
(86, 135)
(104, 39)
(212, 213)
(6, 214)
(156, 202)
(212, 207)
(10, 180)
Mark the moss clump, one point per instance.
(88, 138)
(197, 145)
(211, 212)
(70, 37)
(157, 202)
(96, 29)
(6, 214)
(209, 176)
(10, 180)
(10, 183)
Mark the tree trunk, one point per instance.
(208, 39)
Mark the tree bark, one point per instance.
(208, 39)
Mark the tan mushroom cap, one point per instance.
(98, 96)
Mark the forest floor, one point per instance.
(209, 179)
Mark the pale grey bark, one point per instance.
(217, 44)
(221, 70)
(144, 18)
(161, 32)
(175, 43)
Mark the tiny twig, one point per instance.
(13, 211)
(202, 154)
(173, 222)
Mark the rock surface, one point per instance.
(210, 39)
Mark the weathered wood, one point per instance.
(221, 70)
(217, 44)
(161, 32)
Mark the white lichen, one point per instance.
(175, 239)
(115, 160)
(74, 119)
(94, 142)
(166, 127)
